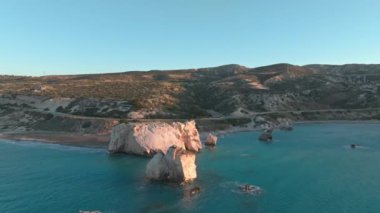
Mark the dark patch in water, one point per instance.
(238, 188)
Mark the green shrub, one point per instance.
(59, 109)
(86, 124)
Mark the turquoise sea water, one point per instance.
(310, 169)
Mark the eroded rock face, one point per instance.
(177, 165)
(211, 140)
(151, 138)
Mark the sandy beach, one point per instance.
(63, 138)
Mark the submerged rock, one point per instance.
(191, 192)
(195, 190)
(151, 138)
(211, 140)
(266, 136)
(251, 189)
(177, 165)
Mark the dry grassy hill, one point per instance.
(229, 90)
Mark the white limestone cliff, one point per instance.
(150, 138)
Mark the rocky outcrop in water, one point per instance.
(211, 140)
(191, 191)
(266, 136)
(177, 165)
(150, 138)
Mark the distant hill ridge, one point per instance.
(236, 68)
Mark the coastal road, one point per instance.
(267, 113)
(214, 118)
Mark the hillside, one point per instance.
(218, 97)
(207, 92)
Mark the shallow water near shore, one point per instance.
(311, 169)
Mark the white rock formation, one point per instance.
(259, 120)
(178, 165)
(285, 124)
(150, 138)
(211, 140)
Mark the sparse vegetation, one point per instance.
(59, 109)
(86, 124)
(193, 93)
(48, 116)
(238, 121)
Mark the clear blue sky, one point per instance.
(91, 36)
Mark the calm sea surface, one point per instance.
(311, 169)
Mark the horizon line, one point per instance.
(184, 69)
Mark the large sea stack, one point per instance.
(154, 137)
(177, 165)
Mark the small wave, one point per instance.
(356, 147)
(77, 148)
(244, 155)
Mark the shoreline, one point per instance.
(101, 141)
(62, 138)
(249, 129)
(338, 122)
